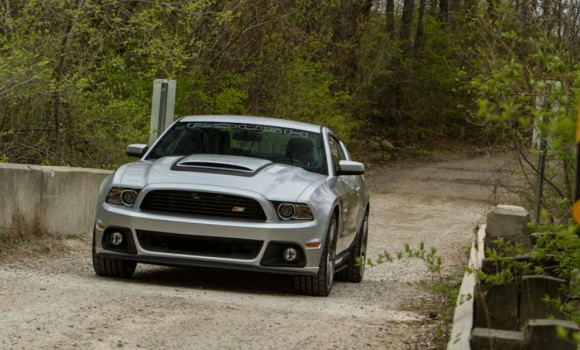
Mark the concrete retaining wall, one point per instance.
(512, 315)
(463, 315)
(59, 200)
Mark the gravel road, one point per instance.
(57, 302)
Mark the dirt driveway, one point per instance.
(59, 303)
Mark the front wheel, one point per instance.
(109, 267)
(321, 283)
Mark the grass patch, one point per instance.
(24, 242)
(441, 291)
(438, 305)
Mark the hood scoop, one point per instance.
(221, 164)
(214, 166)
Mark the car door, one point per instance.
(346, 191)
(359, 185)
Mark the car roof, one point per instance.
(253, 120)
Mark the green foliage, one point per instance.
(9, 239)
(225, 96)
(307, 94)
(504, 254)
(527, 86)
(560, 245)
(442, 289)
(417, 96)
(75, 77)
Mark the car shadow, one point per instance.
(214, 279)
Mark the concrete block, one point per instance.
(69, 198)
(534, 289)
(510, 223)
(496, 306)
(542, 334)
(58, 200)
(507, 221)
(496, 339)
(20, 193)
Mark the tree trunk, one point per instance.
(419, 38)
(547, 17)
(558, 9)
(524, 10)
(59, 139)
(444, 10)
(455, 7)
(407, 23)
(347, 23)
(433, 8)
(390, 14)
(59, 72)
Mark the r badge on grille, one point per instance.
(238, 209)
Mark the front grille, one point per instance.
(203, 203)
(232, 248)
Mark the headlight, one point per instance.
(294, 211)
(286, 211)
(124, 196)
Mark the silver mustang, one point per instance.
(237, 192)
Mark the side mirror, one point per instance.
(137, 150)
(348, 167)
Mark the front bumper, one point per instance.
(162, 239)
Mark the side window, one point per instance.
(335, 151)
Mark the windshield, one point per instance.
(277, 144)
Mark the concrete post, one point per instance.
(508, 222)
(162, 107)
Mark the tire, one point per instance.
(355, 265)
(109, 267)
(321, 283)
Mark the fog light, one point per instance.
(290, 254)
(116, 238)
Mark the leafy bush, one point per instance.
(530, 101)
(308, 92)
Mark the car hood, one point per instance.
(271, 180)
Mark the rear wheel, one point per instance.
(355, 266)
(321, 283)
(110, 267)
